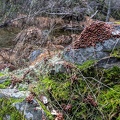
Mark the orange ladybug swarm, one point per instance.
(96, 32)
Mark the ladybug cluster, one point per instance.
(90, 100)
(97, 32)
(15, 80)
(59, 116)
(30, 98)
(67, 107)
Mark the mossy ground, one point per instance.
(102, 84)
(6, 109)
(5, 84)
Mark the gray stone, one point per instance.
(2, 95)
(3, 79)
(14, 93)
(91, 53)
(31, 111)
(108, 62)
(34, 55)
(110, 44)
(7, 117)
(54, 64)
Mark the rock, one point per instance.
(14, 93)
(31, 111)
(57, 65)
(2, 95)
(111, 44)
(3, 79)
(97, 52)
(91, 53)
(51, 64)
(7, 117)
(108, 62)
(43, 99)
(34, 55)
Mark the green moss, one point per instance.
(48, 114)
(109, 101)
(116, 53)
(2, 86)
(117, 22)
(6, 108)
(5, 84)
(58, 89)
(93, 81)
(87, 68)
(112, 76)
(1, 74)
(55, 87)
(86, 64)
(22, 89)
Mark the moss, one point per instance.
(86, 64)
(87, 68)
(22, 89)
(2, 86)
(6, 108)
(48, 114)
(109, 102)
(1, 74)
(116, 53)
(5, 84)
(117, 22)
(112, 76)
(59, 90)
(55, 87)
